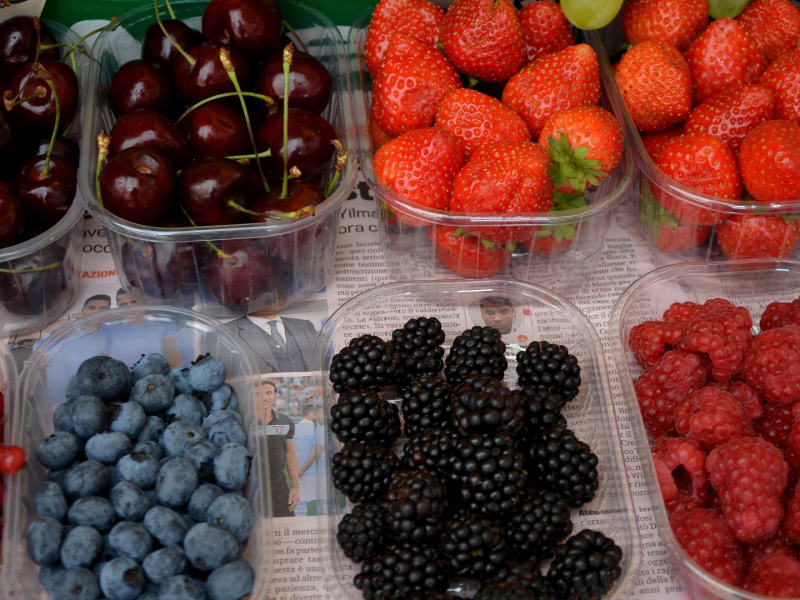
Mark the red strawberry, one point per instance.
(655, 84)
(413, 80)
(654, 142)
(552, 239)
(704, 164)
(544, 28)
(476, 119)
(677, 23)
(585, 145)
(730, 115)
(783, 77)
(769, 161)
(467, 255)
(758, 236)
(667, 232)
(724, 57)
(553, 83)
(483, 38)
(774, 26)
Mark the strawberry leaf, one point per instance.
(570, 165)
(568, 200)
(487, 244)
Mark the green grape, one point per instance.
(590, 14)
(726, 8)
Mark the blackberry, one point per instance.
(476, 350)
(362, 471)
(542, 409)
(484, 404)
(475, 546)
(549, 367)
(517, 587)
(416, 502)
(362, 532)
(585, 566)
(426, 403)
(431, 450)
(560, 462)
(540, 522)
(420, 342)
(402, 571)
(366, 362)
(362, 416)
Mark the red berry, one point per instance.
(544, 28)
(649, 340)
(748, 398)
(681, 470)
(12, 459)
(712, 416)
(772, 364)
(776, 424)
(777, 545)
(677, 23)
(778, 314)
(774, 26)
(776, 576)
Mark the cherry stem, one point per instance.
(169, 9)
(262, 154)
(103, 142)
(291, 30)
(50, 267)
(212, 245)
(56, 125)
(9, 103)
(288, 54)
(306, 211)
(186, 113)
(341, 162)
(172, 41)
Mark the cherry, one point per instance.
(63, 148)
(139, 84)
(138, 185)
(309, 81)
(253, 27)
(29, 83)
(156, 48)
(216, 129)
(12, 223)
(144, 127)
(18, 41)
(309, 143)
(206, 76)
(34, 283)
(12, 459)
(46, 192)
(213, 188)
(300, 195)
(163, 270)
(13, 142)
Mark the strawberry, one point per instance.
(545, 29)
(704, 164)
(585, 145)
(553, 83)
(483, 38)
(466, 254)
(379, 136)
(758, 236)
(677, 23)
(774, 26)
(769, 161)
(730, 115)
(654, 142)
(413, 80)
(667, 232)
(418, 18)
(655, 84)
(724, 57)
(504, 178)
(552, 239)
(783, 77)
(476, 119)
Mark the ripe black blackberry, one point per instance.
(362, 416)
(415, 505)
(362, 471)
(476, 350)
(431, 450)
(475, 545)
(402, 572)
(366, 362)
(420, 341)
(538, 524)
(560, 462)
(585, 566)
(362, 532)
(482, 404)
(542, 409)
(513, 586)
(550, 367)
(426, 404)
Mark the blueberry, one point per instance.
(149, 447)
(180, 379)
(149, 364)
(208, 548)
(86, 478)
(175, 482)
(98, 566)
(75, 584)
(177, 435)
(116, 477)
(164, 563)
(57, 477)
(154, 392)
(58, 450)
(72, 390)
(139, 468)
(206, 374)
(92, 511)
(232, 512)
(127, 418)
(62, 417)
(108, 447)
(47, 573)
(201, 453)
(201, 499)
(182, 587)
(149, 595)
(121, 579)
(187, 408)
(129, 502)
(88, 416)
(230, 582)
(131, 540)
(165, 525)
(232, 467)
(221, 416)
(104, 377)
(50, 502)
(221, 398)
(153, 428)
(44, 540)
(81, 547)
(227, 432)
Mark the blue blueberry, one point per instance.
(227, 432)
(187, 408)
(88, 416)
(50, 502)
(78, 583)
(81, 547)
(201, 499)
(139, 468)
(177, 435)
(175, 482)
(221, 416)
(92, 511)
(149, 447)
(230, 582)
(44, 540)
(208, 548)
(104, 377)
(86, 478)
(201, 453)
(121, 579)
(129, 501)
(149, 595)
(131, 540)
(47, 574)
(149, 364)
(98, 566)
(232, 512)
(127, 417)
(58, 450)
(154, 392)
(180, 379)
(222, 398)
(57, 477)
(182, 587)
(206, 374)
(164, 563)
(108, 447)
(153, 428)
(72, 390)
(62, 417)
(165, 525)
(232, 467)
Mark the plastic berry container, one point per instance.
(176, 266)
(125, 334)
(8, 387)
(750, 283)
(537, 314)
(407, 228)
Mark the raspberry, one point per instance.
(748, 398)
(681, 470)
(682, 312)
(749, 475)
(778, 545)
(792, 451)
(706, 537)
(776, 424)
(791, 524)
(711, 416)
(776, 576)
(649, 340)
(772, 364)
(778, 314)
(664, 385)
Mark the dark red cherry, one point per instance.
(216, 129)
(63, 148)
(40, 110)
(147, 128)
(12, 223)
(18, 42)
(309, 81)
(156, 48)
(138, 185)
(139, 84)
(14, 143)
(310, 137)
(41, 280)
(207, 77)
(209, 186)
(46, 198)
(300, 194)
(253, 27)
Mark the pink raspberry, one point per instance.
(775, 576)
(712, 416)
(682, 312)
(681, 470)
(747, 397)
(778, 314)
(772, 364)
(649, 340)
